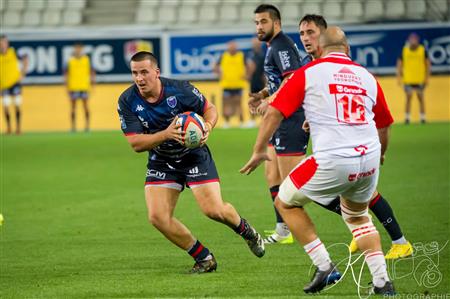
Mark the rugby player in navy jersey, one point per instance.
(310, 28)
(289, 143)
(148, 111)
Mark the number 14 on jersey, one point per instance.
(350, 106)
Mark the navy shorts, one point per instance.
(411, 87)
(75, 95)
(194, 169)
(14, 90)
(228, 92)
(290, 139)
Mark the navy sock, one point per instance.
(334, 206)
(383, 211)
(244, 230)
(274, 192)
(198, 251)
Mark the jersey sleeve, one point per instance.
(382, 115)
(129, 122)
(290, 97)
(193, 99)
(286, 60)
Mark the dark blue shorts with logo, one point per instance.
(290, 139)
(194, 169)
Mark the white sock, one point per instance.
(318, 254)
(377, 266)
(402, 240)
(422, 116)
(282, 229)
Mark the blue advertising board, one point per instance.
(109, 55)
(193, 56)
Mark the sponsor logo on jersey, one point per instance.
(172, 101)
(122, 122)
(346, 89)
(345, 75)
(197, 93)
(193, 170)
(139, 108)
(285, 59)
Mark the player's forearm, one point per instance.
(146, 142)
(270, 122)
(383, 134)
(210, 116)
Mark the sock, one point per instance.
(282, 229)
(318, 254)
(400, 241)
(198, 251)
(422, 116)
(407, 116)
(334, 206)
(377, 266)
(245, 230)
(273, 193)
(383, 211)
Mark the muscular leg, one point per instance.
(408, 106)
(86, 114)
(287, 163)
(420, 96)
(8, 119)
(160, 205)
(18, 118)
(73, 104)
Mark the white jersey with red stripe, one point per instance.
(344, 105)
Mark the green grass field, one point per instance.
(75, 222)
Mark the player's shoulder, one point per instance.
(282, 41)
(175, 84)
(127, 94)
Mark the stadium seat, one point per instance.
(353, 10)
(72, 17)
(11, 18)
(332, 10)
(416, 9)
(51, 17)
(187, 14)
(148, 3)
(395, 9)
(290, 12)
(15, 4)
(146, 16)
(31, 18)
(207, 13)
(229, 12)
(167, 14)
(311, 8)
(78, 4)
(442, 5)
(246, 12)
(373, 9)
(56, 4)
(36, 4)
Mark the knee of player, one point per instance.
(279, 205)
(157, 220)
(357, 220)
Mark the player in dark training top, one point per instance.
(289, 143)
(148, 111)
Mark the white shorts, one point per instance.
(322, 179)
(6, 99)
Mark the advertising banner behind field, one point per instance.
(193, 56)
(109, 56)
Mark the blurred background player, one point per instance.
(289, 143)
(13, 69)
(79, 78)
(147, 111)
(413, 71)
(310, 28)
(231, 71)
(255, 72)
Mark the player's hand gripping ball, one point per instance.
(194, 127)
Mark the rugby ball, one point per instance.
(194, 127)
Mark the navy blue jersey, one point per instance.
(137, 116)
(282, 58)
(306, 59)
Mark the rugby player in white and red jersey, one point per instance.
(349, 124)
